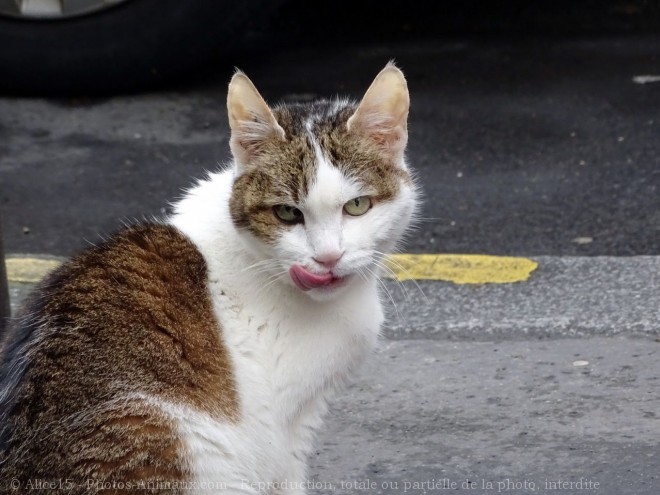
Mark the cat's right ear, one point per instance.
(251, 120)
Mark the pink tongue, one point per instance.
(306, 280)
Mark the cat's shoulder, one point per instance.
(143, 272)
(136, 258)
(144, 252)
(135, 305)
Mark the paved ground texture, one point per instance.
(546, 149)
(527, 147)
(510, 417)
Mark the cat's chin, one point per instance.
(334, 285)
(331, 291)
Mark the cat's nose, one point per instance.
(328, 259)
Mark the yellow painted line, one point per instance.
(462, 268)
(457, 268)
(29, 270)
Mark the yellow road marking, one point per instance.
(462, 268)
(29, 270)
(457, 268)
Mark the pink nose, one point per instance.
(329, 259)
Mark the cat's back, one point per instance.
(117, 329)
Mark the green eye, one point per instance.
(358, 206)
(288, 214)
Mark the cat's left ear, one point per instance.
(251, 120)
(382, 115)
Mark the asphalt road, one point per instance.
(511, 417)
(544, 148)
(522, 146)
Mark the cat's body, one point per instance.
(199, 354)
(289, 356)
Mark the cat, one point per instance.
(199, 353)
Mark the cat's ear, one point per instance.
(251, 120)
(382, 115)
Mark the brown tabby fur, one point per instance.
(131, 316)
(282, 172)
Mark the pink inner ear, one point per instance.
(248, 138)
(385, 139)
(379, 128)
(384, 135)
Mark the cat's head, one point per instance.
(322, 190)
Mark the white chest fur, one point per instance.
(290, 354)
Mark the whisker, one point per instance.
(431, 219)
(403, 269)
(265, 262)
(388, 271)
(387, 291)
(271, 280)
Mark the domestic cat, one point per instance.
(198, 354)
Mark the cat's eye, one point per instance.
(358, 206)
(288, 214)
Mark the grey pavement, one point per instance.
(497, 411)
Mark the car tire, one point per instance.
(132, 45)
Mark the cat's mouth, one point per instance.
(306, 280)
